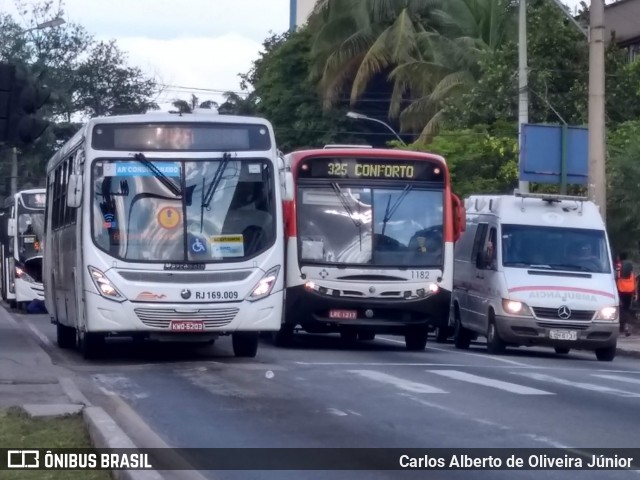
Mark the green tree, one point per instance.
(284, 94)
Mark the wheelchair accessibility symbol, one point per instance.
(198, 246)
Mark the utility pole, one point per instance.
(597, 135)
(14, 170)
(523, 88)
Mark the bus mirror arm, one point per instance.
(74, 191)
(11, 227)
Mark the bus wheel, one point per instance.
(348, 336)
(90, 344)
(65, 336)
(245, 344)
(366, 336)
(416, 338)
(12, 304)
(442, 334)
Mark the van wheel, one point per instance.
(495, 345)
(562, 350)
(366, 336)
(606, 354)
(65, 336)
(415, 338)
(245, 344)
(461, 336)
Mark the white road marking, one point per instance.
(384, 364)
(585, 386)
(489, 357)
(335, 411)
(490, 382)
(397, 382)
(618, 378)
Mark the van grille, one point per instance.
(162, 317)
(570, 326)
(552, 314)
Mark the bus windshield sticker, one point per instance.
(313, 250)
(136, 169)
(169, 218)
(224, 246)
(197, 245)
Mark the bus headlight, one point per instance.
(20, 273)
(515, 307)
(265, 285)
(609, 314)
(104, 285)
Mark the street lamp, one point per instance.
(359, 116)
(56, 22)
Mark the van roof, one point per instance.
(537, 209)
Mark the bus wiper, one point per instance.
(345, 204)
(213, 186)
(158, 174)
(390, 210)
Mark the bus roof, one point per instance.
(299, 155)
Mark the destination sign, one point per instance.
(374, 169)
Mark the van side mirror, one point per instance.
(11, 227)
(74, 191)
(289, 187)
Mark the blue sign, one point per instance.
(554, 154)
(197, 246)
(137, 169)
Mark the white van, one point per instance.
(535, 269)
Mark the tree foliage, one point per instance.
(284, 94)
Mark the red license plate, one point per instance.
(343, 314)
(186, 325)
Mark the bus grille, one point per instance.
(162, 317)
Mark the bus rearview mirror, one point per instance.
(74, 191)
(11, 227)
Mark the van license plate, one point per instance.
(563, 335)
(343, 314)
(186, 326)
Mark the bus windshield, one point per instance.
(223, 211)
(30, 234)
(399, 227)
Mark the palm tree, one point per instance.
(184, 106)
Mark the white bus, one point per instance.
(165, 227)
(21, 253)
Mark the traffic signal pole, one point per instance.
(14, 170)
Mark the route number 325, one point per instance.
(338, 169)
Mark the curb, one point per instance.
(105, 433)
(627, 353)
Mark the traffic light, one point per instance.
(25, 97)
(7, 75)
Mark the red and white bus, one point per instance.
(369, 243)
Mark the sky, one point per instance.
(192, 46)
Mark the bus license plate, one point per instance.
(563, 334)
(343, 314)
(186, 326)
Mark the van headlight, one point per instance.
(104, 285)
(515, 307)
(608, 314)
(265, 285)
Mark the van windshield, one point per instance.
(572, 249)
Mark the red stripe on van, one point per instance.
(563, 289)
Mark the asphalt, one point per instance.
(323, 393)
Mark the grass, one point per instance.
(18, 430)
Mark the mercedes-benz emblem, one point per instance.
(564, 312)
(185, 294)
